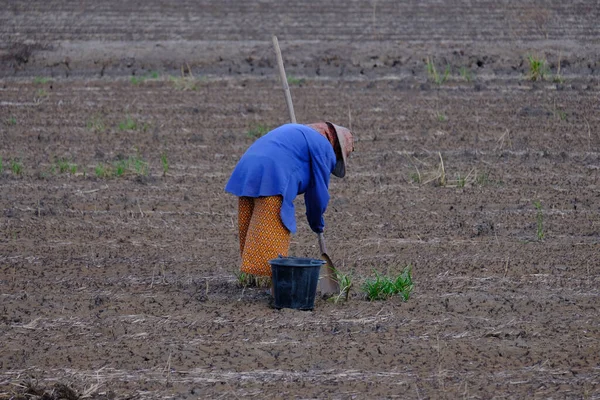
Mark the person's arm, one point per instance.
(316, 196)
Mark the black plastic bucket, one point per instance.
(295, 282)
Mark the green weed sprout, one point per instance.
(41, 80)
(11, 121)
(345, 283)
(415, 177)
(257, 131)
(465, 73)
(482, 179)
(292, 80)
(537, 68)
(461, 181)
(140, 166)
(434, 75)
(128, 125)
(540, 220)
(165, 163)
(384, 287)
(66, 166)
(16, 166)
(120, 167)
(63, 165)
(136, 80)
(102, 171)
(1, 166)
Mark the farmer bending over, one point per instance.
(288, 161)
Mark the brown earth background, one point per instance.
(125, 286)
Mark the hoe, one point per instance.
(328, 283)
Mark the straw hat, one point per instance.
(344, 138)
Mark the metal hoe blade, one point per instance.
(328, 283)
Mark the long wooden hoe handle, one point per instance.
(284, 82)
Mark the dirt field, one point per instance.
(125, 286)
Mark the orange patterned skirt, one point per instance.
(262, 234)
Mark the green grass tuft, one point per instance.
(461, 181)
(384, 287)
(102, 171)
(120, 167)
(39, 80)
(16, 166)
(482, 179)
(466, 74)
(139, 166)
(139, 79)
(433, 75)
(257, 131)
(415, 177)
(345, 282)
(128, 125)
(63, 166)
(538, 70)
(41, 93)
(292, 80)
(165, 163)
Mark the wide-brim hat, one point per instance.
(346, 141)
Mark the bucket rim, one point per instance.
(298, 262)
